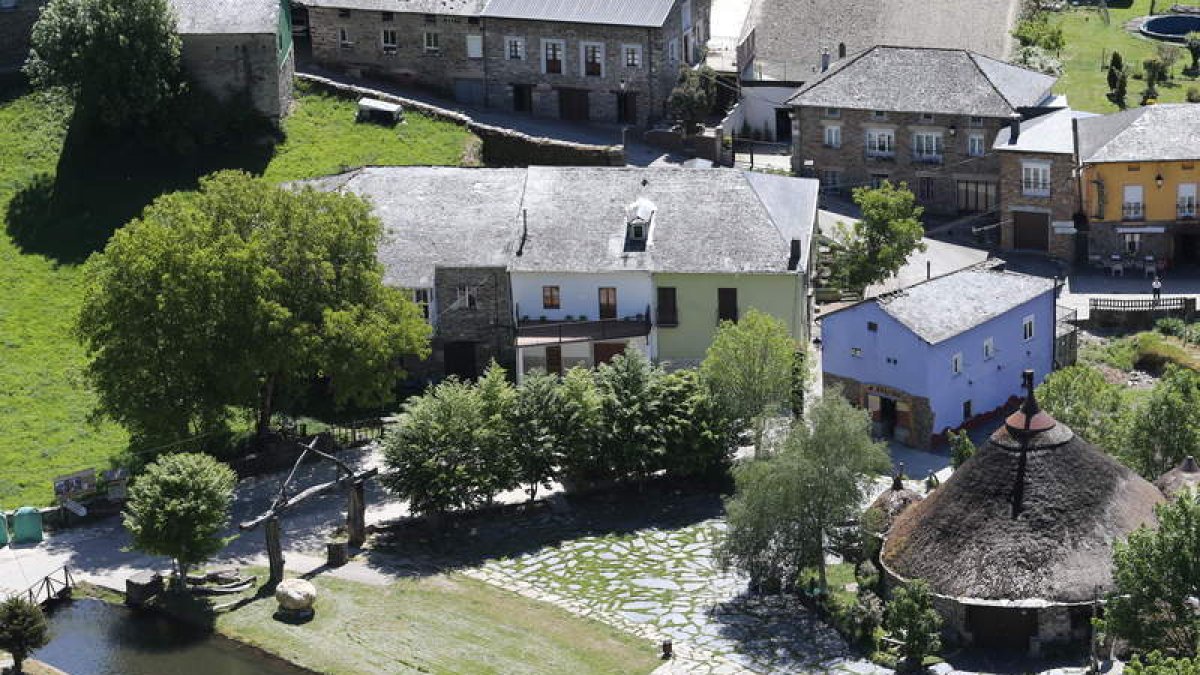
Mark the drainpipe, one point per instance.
(651, 79)
(1054, 326)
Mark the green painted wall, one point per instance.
(780, 295)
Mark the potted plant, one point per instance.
(542, 318)
(569, 317)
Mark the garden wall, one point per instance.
(501, 147)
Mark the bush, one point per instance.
(867, 576)
(913, 621)
(1171, 326)
(1193, 95)
(22, 629)
(864, 619)
(961, 448)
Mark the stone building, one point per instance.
(573, 60)
(16, 24)
(1039, 198)
(1017, 544)
(920, 116)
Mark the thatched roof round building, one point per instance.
(1031, 517)
(1182, 478)
(895, 500)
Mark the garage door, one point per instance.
(468, 91)
(1031, 231)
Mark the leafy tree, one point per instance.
(693, 95)
(578, 426)
(494, 435)
(748, 368)
(786, 506)
(1165, 429)
(1192, 42)
(1116, 66)
(877, 246)
(22, 630)
(433, 455)
(698, 434)
(961, 448)
(119, 59)
(912, 620)
(1082, 399)
(1157, 582)
(239, 295)
(535, 431)
(178, 507)
(630, 443)
(1155, 663)
(1037, 31)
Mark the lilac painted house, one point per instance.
(937, 355)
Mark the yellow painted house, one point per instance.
(1138, 176)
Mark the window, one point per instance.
(856, 352)
(976, 122)
(474, 46)
(386, 17)
(550, 297)
(833, 112)
(872, 326)
(966, 410)
(1186, 207)
(1133, 241)
(956, 364)
(431, 18)
(881, 143)
(388, 39)
(420, 297)
(927, 147)
(727, 309)
(879, 114)
(467, 297)
(514, 48)
(831, 179)
(433, 43)
(343, 14)
(927, 118)
(925, 188)
(608, 303)
(833, 137)
(1035, 179)
(1133, 208)
(673, 50)
(878, 179)
(1134, 167)
(989, 348)
(593, 59)
(344, 38)
(668, 310)
(552, 53)
(633, 56)
(1027, 328)
(975, 145)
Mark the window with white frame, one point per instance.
(514, 48)
(1133, 242)
(989, 348)
(591, 57)
(1035, 179)
(344, 38)
(956, 363)
(389, 40)
(467, 297)
(1027, 328)
(421, 298)
(552, 57)
(833, 136)
(856, 352)
(881, 143)
(433, 42)
(633, 55)
(1133, 206)
(927, 146)
(474, 46)
(1186, 206)
(975, 145)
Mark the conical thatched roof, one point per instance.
(1032, 516)
(1184, 477)
(895, 500)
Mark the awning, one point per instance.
(1149, 229)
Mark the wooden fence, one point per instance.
(55, 586)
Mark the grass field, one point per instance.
(1090, 43)
(60, 201)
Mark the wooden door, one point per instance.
(1031, 231)
(573, 104)
(608, 303)
(603, 352)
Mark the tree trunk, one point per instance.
(266, 406)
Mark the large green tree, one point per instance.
(494, 436)
(786, 506)
(1082, 399)
(877, 246)
(119, 59)
(178, 507)
(1166, 428)
(912, 619)
(630, 440)
(748, 369)
(241, 295)
(22, 630)
(1157, 579)
(699, 436)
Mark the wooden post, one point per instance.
(356, 514)
(274, 551)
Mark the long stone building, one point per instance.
(574, 60)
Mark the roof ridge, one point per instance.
(975, 62)
(829, 75)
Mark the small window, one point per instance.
(879, 114)
(389, 40)
(431, 18)
(637, 231)
(668, 310)
(975, 145)
(1135, 167)
(386, 17)
(593, 59)
(1027, 328)
(966, 410)
(552, 57)
(989, 348)
(343, 14)
(433, 43)
(420, 297)
(474, 46)
(856, 352)
(872, 326)
(468, 297)
(344, 38)
(956, 363)
(833, 137)
(976, 122)
(515, 49)
(927, 117)
(727, 305)
(472, 21)
(633, 56)
(550, 297)
(833, 112)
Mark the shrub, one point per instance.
(912, 620)
(22, 629)
(867, 576)
(961, 448)
(1193, 95)
(1171, 326)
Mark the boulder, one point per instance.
(296, 595)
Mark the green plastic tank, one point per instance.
(3, 528)
(27, 526)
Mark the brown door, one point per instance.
(608, 303)
(554, 360)
(603, 352)
(573, 104)
(1031, 231)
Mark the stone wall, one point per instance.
(1103, 240)
(231, 65)
(489, 326)
(15, 27)
(1061, 205)
(918, 420)
(857, 169)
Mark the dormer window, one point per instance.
(639, 217)
(637, 231)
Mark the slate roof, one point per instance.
(953, 304)
(1051, 133)
(1152, 133)
(705, 220)
(642, 13)
(449, 7)
(911, 79)
(226, 17)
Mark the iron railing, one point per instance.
(1135, 304)
(586, 331)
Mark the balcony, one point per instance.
(1133, 211)
(539, 333)
(1185, 210)
(1035, 188)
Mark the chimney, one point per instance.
(794, 257)
(824, 60)
(1014, 128)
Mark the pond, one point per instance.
(1171, 26)
(92, 637)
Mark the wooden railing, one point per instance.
(54, 586)
(358, 431)
(1136, 305)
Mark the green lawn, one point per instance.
(1090, 43)
(60, 200)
